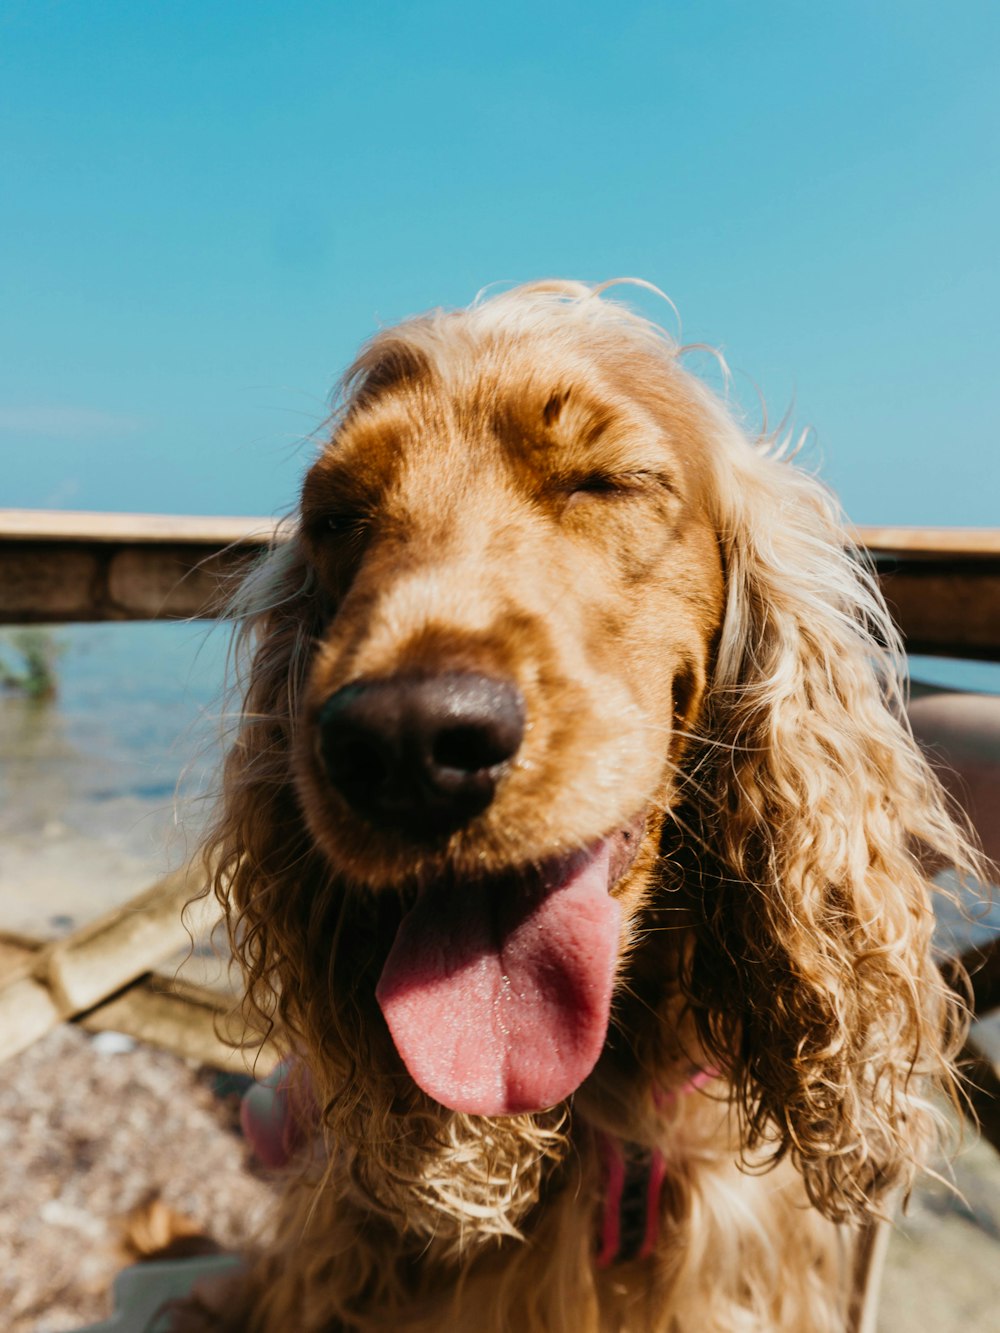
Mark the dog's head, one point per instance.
(553, 638)
(512, 538)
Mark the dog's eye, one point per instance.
(595, 489)
(612, 487)
(342, 522)
(345, 525)
(599, 483)
(633, 482)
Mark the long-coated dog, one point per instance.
(573, 842)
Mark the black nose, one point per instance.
(421, 753)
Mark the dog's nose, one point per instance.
(421, 753)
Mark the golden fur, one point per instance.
(536, 488)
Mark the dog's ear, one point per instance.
(812, 978)
(298, 935)
(258, 859)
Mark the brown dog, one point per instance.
(572, 841)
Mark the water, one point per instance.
(104, 788)
(983, 677)
(136, 705)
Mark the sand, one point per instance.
(90, 1127)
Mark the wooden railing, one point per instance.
(60, 567)
(942, 584)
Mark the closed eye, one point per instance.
(598, 484)
(617, 484)
(342, 524)
(337, 504)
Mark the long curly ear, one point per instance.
(257, 856)
(812, 976)
(298, 935)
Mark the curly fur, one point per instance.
(709, 650)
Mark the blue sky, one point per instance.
(206, 206)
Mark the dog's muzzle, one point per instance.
(421, 753)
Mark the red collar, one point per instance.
(633, 1186)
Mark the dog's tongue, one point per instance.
(498, 1000)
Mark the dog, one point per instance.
(574, 845)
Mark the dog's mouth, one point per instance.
(497, 992)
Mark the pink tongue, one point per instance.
(496, 1009)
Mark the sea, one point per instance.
(105, 786)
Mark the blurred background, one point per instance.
(206, 207)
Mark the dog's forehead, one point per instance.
(520, 399)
